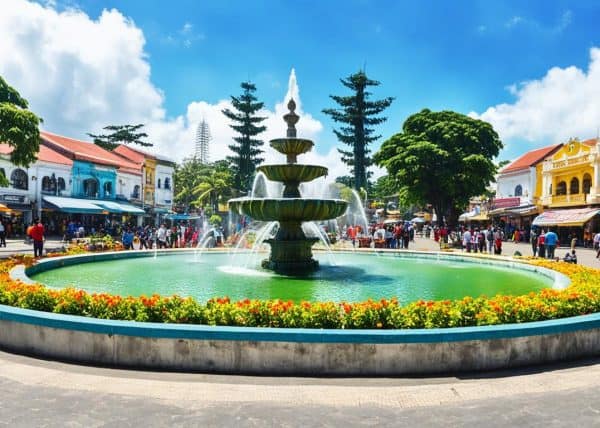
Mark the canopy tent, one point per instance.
(74, 205)
(478, 217)
(572, 217)
(467, 216)
(418, 220)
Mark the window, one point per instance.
(587, 183)
(107, 189)
(158, 184)
(167, 183)
(47, 185)
(90, 188)
(3, 172)
(574, 187)
(519, 190)
(561, 188)
(19, 179)
(61, 184)
(136, 192)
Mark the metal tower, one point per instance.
(202, 139)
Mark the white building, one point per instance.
(51, 174)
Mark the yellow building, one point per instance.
(570, 177)
(149, 176)
(571, 191)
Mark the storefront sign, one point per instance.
(506, 202)
(17, 199)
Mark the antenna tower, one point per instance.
(202, 139)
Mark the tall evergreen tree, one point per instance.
(357, 114)
(246, 148)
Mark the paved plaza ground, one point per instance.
(35, 392)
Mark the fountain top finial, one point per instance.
(291, 119)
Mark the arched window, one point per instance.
(574, 187)
(107, 189)
(136, 192)
(561, 188)
(61, 184)
(19, 179)
(167, 183)
(519, 190)
(586, 184)
(47, 184)
(90, 188)
(3, 172)
(158, 184)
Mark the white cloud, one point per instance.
(564, 103)
(81, 74)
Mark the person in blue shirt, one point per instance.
(128, 239)
(551, 242)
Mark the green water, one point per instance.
(354, 278)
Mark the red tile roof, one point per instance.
(131, 154)
(46, 154)
(590, 142)
(530, 158)
(81, 150)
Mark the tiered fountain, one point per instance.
(291, 249)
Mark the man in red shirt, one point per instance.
(37, 235)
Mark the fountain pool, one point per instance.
(355, 277)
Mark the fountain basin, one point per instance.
(289, 209)
(290, 351)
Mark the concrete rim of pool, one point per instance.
(279, 351)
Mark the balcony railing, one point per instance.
(576, 199)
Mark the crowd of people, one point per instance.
(178, 236)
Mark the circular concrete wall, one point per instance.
(295, 351)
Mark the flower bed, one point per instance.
(581, 297)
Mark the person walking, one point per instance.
(551, 242)
(542, 244)
(36, 233)
(533, 238)
(2, 235)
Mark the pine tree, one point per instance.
(358, 114)
(246, 148)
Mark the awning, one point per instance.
(131, 209)
(573, 217)
(182, 217)
(73, 205)
(4, 209)
(111, 207)
(161, 210)
(523, 210)
(418, 220)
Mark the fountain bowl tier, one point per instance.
(297, 173)
(292, 146)
(289, 209)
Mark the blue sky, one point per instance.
(463, 55)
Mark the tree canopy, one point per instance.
(121, 134)
(19, 128)
(246, 149)
(441, 158)
(198, 183)
(358, 115)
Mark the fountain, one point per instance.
(291, 249)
